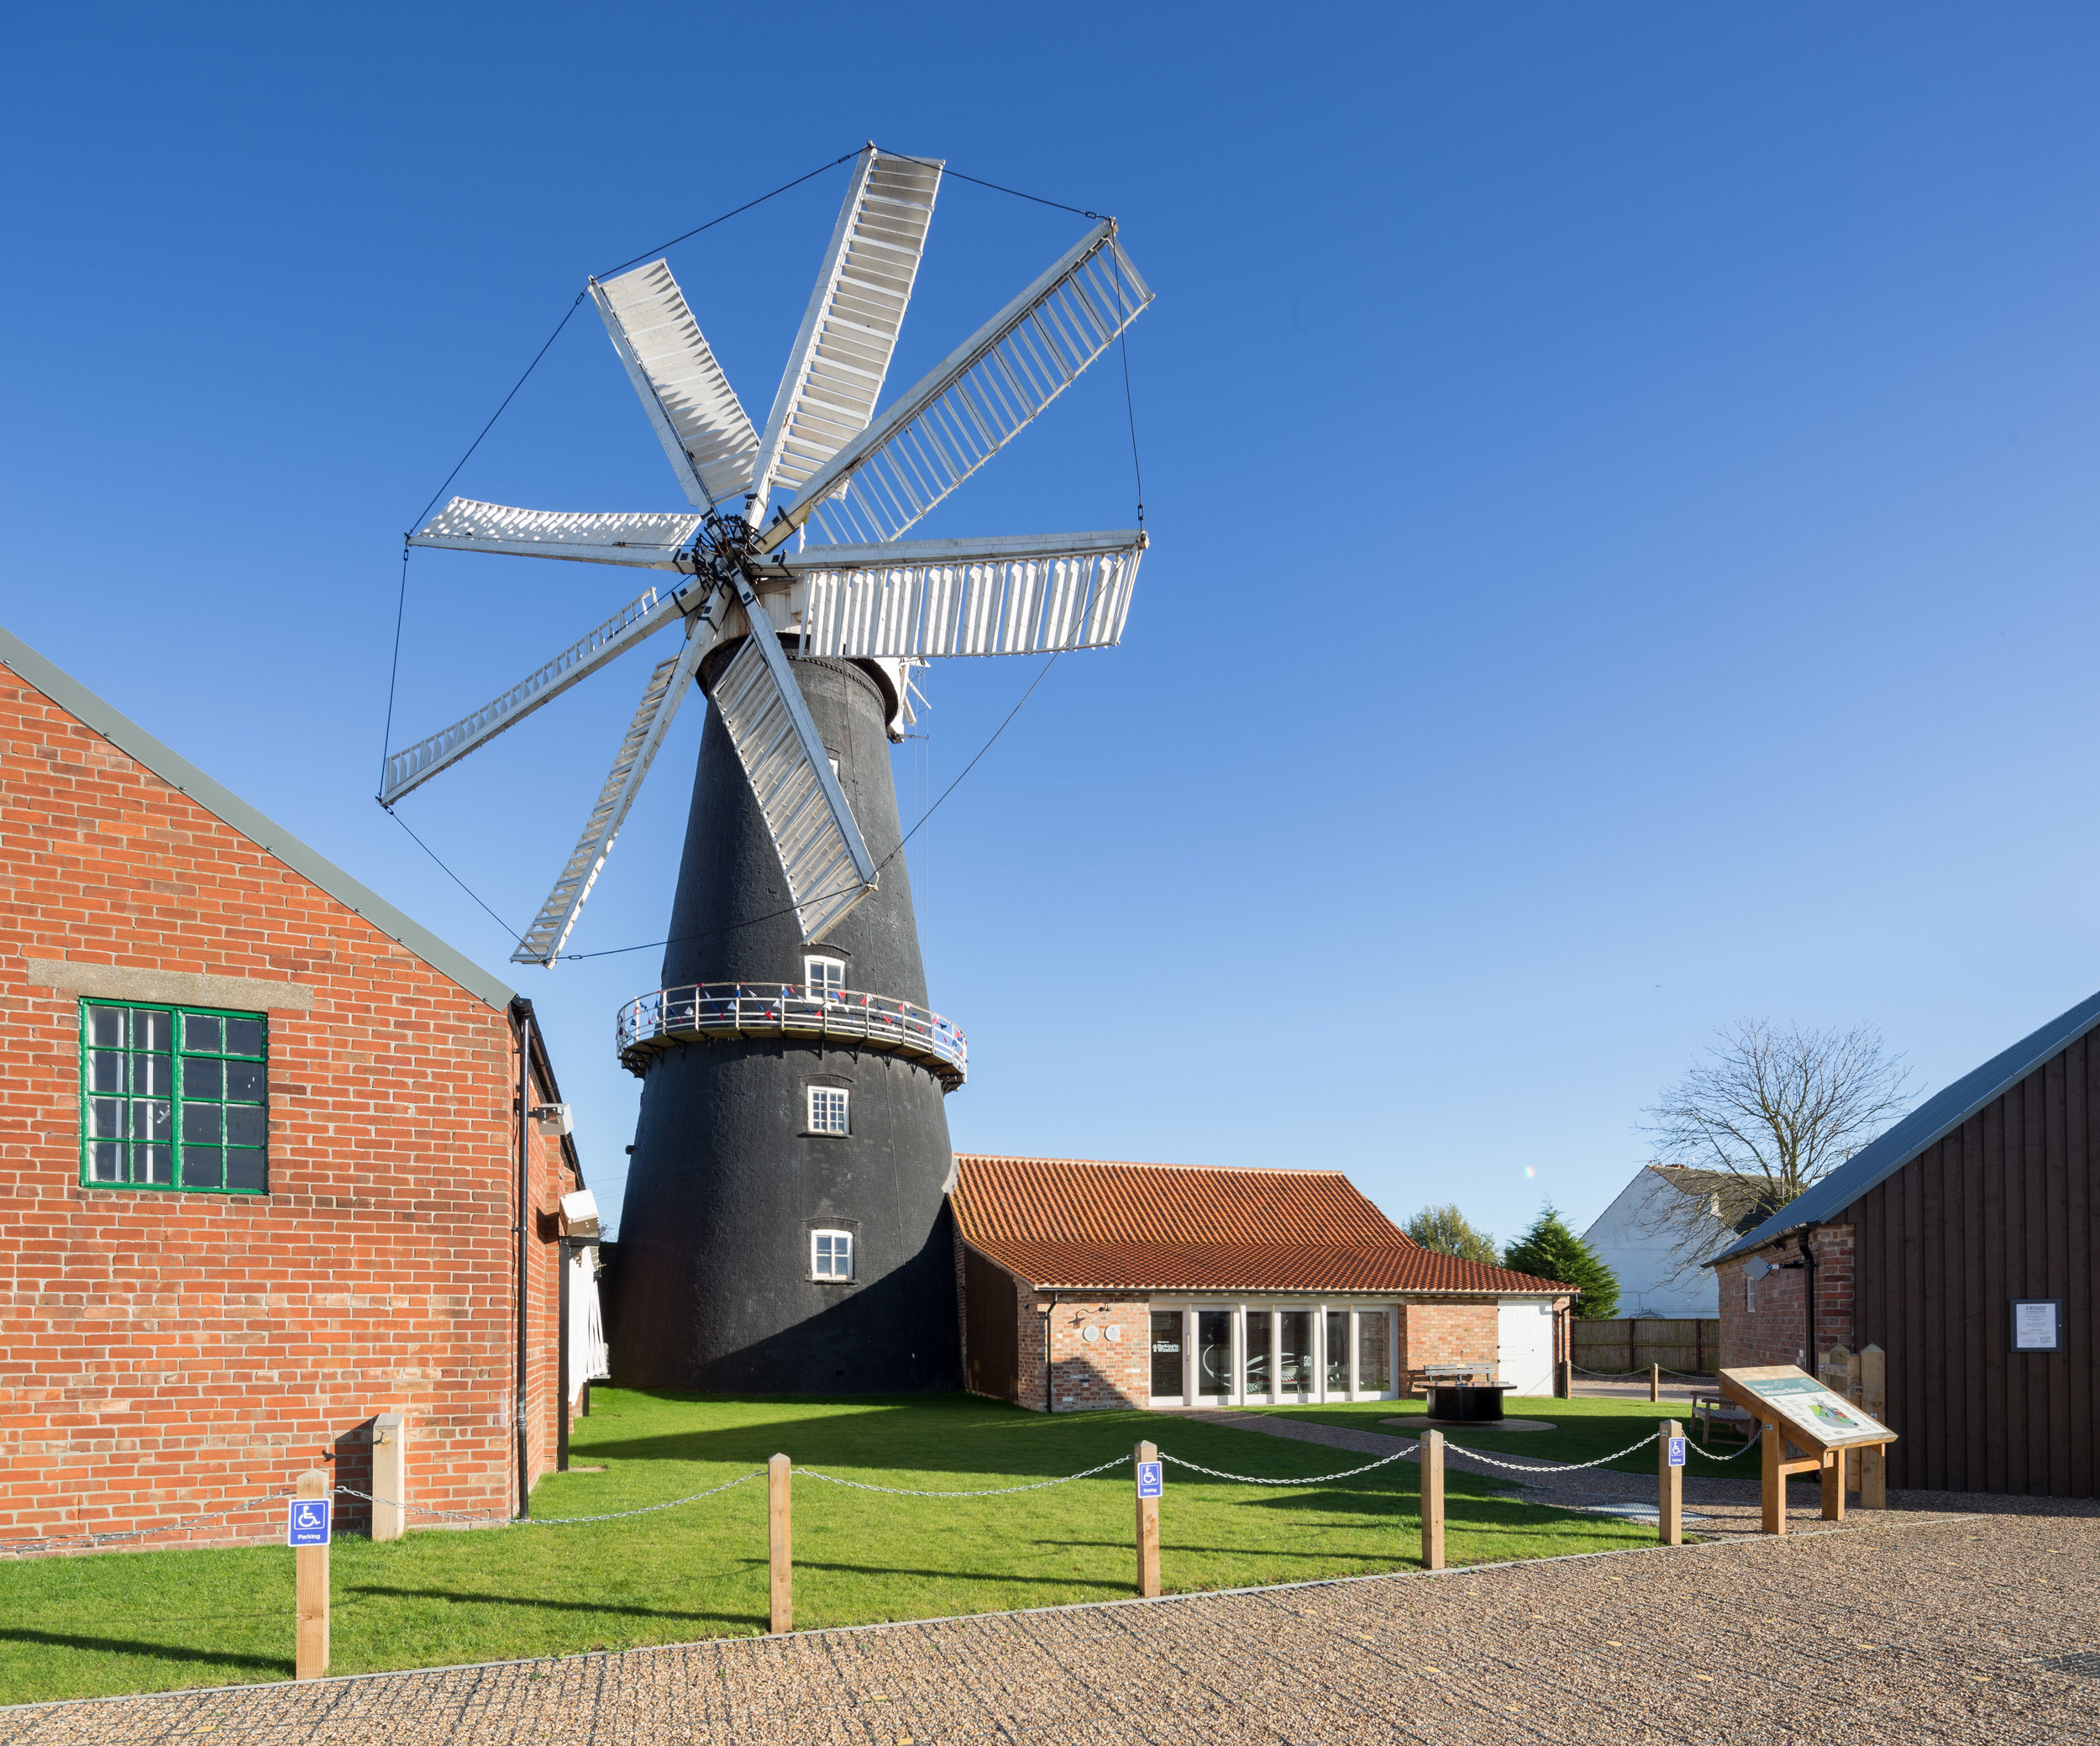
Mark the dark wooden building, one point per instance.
(1963, 1242)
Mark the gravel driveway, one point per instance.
(1899, 1627)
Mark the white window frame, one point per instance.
(837, 1237)
(823, 987)
(845, 1111)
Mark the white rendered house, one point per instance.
(1641, 1236)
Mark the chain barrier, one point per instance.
(811, 1473)
(1249, 1479)
(1733, 1453)
(1452, 1448)
(1621, 1375)
(45, 1542)
(647, 1509)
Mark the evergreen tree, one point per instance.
(1447, 1231)
(1551, 1250)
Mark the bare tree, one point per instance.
(1767, 1114)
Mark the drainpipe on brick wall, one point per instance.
(1807, 1282)
(1049, 1334)
(524, 1268)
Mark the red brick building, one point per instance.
(1092, 1284)
(1965, 1243)
(259, 1162)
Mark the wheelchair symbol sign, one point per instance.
(1677, 1452)
(1150, 1474)
(307, 1522)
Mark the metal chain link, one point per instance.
(811, 1473)
(1452, 1448)
(647, 1509)
(139, 1533)
(1248, 1478)
(1733, 1453)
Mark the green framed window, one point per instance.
(173, 1097)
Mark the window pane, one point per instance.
(244, 1036)
(843, 1255)
(1166, 1353)
(200, 1032)
(154, 1075)
(106, 1027)
(201, 1123)
(247, 1169)
(203, 1079)
(244, 1082)
(203, 1166)
(1337, 1351)
(106, 1117)
(105, 1072)
(105, 1162)
(153, 1163)
(152, 1121)
(150, 1030)
(1295, 1371)
(247, 1124)
(1371, 1365)
(1214, 1351)
(1258, 1367)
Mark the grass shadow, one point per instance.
(155, 1651)
(469, 1598)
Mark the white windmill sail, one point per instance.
(975, 403)
(1022, 596)
(410, 768)
(661, 699)
(696, 414)
(826, 862)
(835, 371)
(647, 541)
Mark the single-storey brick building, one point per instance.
(1963, 1242)
(260, 1163)
(1094, 1284)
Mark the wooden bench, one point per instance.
(1708, 1407)
(1421, 1377)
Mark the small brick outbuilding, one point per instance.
(259, 1163)
(1098, 1285)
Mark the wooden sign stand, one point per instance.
(1795, 1408)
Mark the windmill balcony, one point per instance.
(716, 1012)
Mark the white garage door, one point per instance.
(1525, 1347)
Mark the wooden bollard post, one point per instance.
(1874, 1403)
(1655, 1382)
(779, 1545)
(1149, 1475)
(1432, 1460)
(390, 1477)
(310, 1599)
(1833, 1485)
(1669, 1515)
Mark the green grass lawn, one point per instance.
(116, 1623)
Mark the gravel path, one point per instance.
(1906, 1629)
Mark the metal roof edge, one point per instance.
(105, 718)
(1925, 1126)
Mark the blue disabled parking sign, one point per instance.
(1677, 1452)
(307, 1522)
(1151, 1477)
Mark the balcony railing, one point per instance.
(711, 1012)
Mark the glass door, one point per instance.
(1214, 1354)
(1294, 1362)
(1168, 1368)
(1337, 1354)
(1258, 1362)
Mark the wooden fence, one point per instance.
(1689, 1345)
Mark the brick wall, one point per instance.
(1086, 1374)
(169, 1353)
(1453, 1331)
(1764, 1321)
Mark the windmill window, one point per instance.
(831, 1254)
(824, 976)
(828, 1109)
(174, 1098)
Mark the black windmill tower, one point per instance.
(784, 1227)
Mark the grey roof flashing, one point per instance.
(1925, 1126)
(271, 837)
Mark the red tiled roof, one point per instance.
(1072, 1224)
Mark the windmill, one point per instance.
(785, 1207)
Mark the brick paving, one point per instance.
(1899, 1628)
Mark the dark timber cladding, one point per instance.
(2001, 1207)
(991, 1339)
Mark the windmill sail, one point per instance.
(976, 402)
(661, 699)
(960, 597)
(828, 867)
(835, 371)
(409, 770)
(647, 541)
(696, 414)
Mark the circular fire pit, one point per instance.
(1467, 1403)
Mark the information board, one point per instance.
(1811, 1415)
(2038, 1324)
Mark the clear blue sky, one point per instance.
(1622, 483)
